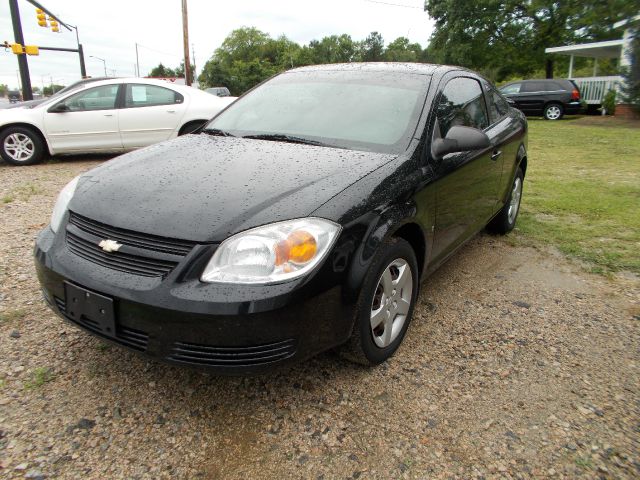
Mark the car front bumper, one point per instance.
(225, 329)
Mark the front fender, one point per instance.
(374, 227)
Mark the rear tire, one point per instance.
(191, 127)
(505, 221)
(553, 111)
(385, 304)
(21, 146)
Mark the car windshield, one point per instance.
(74, 86)
(371, 111)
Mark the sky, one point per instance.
(110, 30)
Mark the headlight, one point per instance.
(272, 253)
(62, 203)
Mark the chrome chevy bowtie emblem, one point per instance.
(109, 245)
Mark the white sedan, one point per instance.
(106, 116)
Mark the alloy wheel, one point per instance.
(391, 302)
(19, 147)
(553, 112)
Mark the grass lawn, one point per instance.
(582, 190)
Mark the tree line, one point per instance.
(502, 39)
(248, 56)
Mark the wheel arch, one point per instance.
(30, 126)
(522, 159)
(191, 122)
(414, 235)
(397, 221)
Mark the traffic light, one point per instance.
(42, 17)
(17, 48)
(54, 25)
(31, 50)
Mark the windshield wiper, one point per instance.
(279, 137)
(217, 132)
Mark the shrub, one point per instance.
(609, 102)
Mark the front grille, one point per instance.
(141, 254)
(129, 337)
(128, 237)
(208, 355)
(124, 262)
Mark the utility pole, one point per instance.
(193, 55)
(137, 62)
(27, 93)
(185, 38)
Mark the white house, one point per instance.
(595, 87)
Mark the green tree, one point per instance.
(401, 50)
(51, 89)
(162, 71)
(503, 38)
(3, 90)
(179, 71)
(245, 58)
(631, 86)
(372, 48)
(334, 49)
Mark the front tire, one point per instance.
(505, 221)
(21, 146)
(385, 305)
(553, 111)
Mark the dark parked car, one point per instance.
(301, 218)
(549, 98)
(14, 96)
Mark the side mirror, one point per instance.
(460, 139)
(511, 101)
(59, 108)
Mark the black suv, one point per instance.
(550, 98)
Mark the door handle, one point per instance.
(171, 111)
(496, 154)
(108, 114)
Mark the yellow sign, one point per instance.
(31, 50)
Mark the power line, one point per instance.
(158, 51)
(394, 4)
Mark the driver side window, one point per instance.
(462, 104)
(98, 98)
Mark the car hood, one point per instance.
(27, 104)
(204, 188)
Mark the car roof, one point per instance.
(149, 81)
(418, 68)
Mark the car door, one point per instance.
(511, 91)
(466, 186)
(531, 98)
(503, 136)
(151, 114)
(86, 121)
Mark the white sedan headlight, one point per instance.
(65, 196)
(272, 253)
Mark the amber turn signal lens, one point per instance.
(299, 247)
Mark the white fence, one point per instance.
(593, 89)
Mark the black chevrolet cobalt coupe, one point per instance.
(301, 218)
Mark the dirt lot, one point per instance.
(518, 365)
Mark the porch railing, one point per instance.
(593, 89)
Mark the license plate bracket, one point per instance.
(93, 310)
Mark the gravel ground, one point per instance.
(517, 365)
